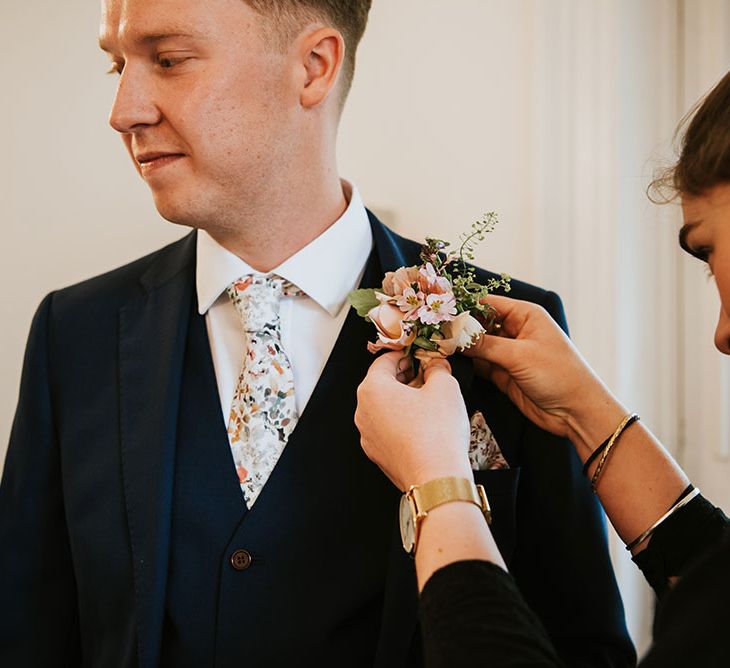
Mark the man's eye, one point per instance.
(167, 62)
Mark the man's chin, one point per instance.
(175, 211)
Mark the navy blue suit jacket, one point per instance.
(87, 497)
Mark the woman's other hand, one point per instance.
(413, 434)
(537, 366)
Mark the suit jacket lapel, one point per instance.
(152, 331)
(393, 251)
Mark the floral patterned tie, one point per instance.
(263, 411)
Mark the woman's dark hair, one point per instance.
(704, 159)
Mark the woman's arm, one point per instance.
(471, 610)
(541, 371)
(472, 615)
(417, 435)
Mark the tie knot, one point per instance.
(257, 299)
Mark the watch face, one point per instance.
(407, 524)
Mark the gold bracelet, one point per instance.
(631, 418)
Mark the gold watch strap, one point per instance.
(434, 493)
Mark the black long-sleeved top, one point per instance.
(473, 615)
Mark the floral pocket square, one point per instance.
(484, 452)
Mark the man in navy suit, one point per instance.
(125, 538)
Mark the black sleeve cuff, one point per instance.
(679, 540)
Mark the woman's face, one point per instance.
(706, 235)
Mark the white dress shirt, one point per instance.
(327, 269)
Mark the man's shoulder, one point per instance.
(519, 289)
(117, 286)
(528, 292)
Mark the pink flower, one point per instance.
(410, 301)
(438, 308)
(461, 332)
(394, 333)
(430, 282)
(396, 282)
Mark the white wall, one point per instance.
(438, 128)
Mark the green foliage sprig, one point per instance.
(454, 266)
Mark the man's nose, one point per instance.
(722, 332)
(134, 106)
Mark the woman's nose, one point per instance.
(722, 332)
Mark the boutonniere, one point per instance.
(435, 308)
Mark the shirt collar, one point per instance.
(326, 269)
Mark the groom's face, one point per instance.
(202, 101)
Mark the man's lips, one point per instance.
(156, 159)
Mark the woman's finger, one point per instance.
(512, 313)
(386, 365)
(436, 371)
(495, 349)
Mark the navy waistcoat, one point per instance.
(319, 534)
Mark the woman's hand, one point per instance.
(413, 434)
(542, 372)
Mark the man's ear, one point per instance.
(322, 54)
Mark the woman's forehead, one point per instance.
(715, 202)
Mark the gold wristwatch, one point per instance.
(416, 503)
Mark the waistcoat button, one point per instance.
(241, 560)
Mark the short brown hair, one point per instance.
(350, 17)
(704, 158)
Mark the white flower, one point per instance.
(461, 332)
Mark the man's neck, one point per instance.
(285, 224)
